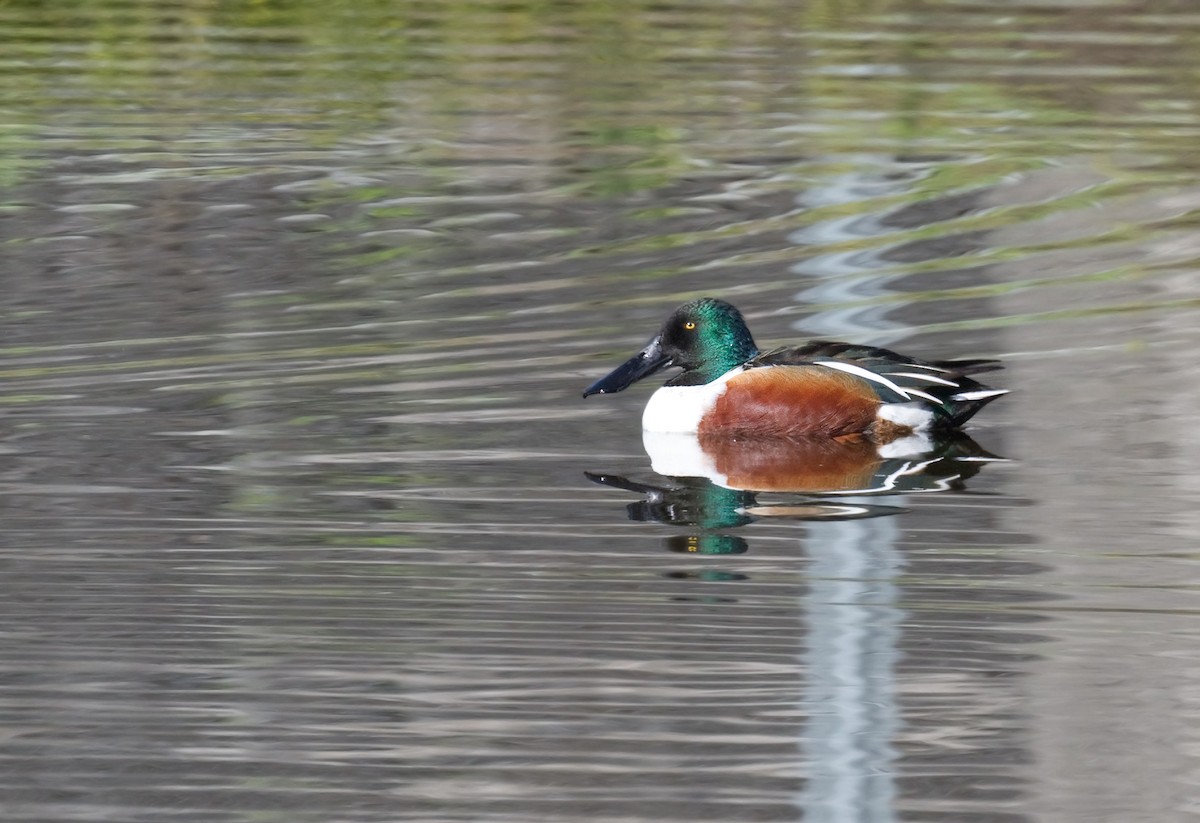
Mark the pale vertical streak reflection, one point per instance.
(850, 282)
(853, 623)
(851, 653)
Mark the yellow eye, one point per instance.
(689, 325)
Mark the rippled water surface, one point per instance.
(304, 518)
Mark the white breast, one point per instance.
(680, 408)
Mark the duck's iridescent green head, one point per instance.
(705, 338)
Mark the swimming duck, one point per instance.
(729, 388)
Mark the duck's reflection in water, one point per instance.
(714, 484)
(848, 595)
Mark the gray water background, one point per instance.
(298, 301)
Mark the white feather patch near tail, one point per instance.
(909, 415)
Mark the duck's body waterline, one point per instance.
(729, 388)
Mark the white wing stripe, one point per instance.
(928, 378)
(928, 397)
(866, 374)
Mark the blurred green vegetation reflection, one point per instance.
(608, 97)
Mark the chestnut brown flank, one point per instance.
(792, 401)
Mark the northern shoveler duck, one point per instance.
(822, 388)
